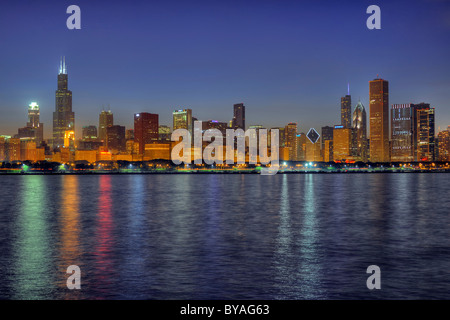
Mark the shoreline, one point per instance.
(221, 172)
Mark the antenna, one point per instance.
(348, 88)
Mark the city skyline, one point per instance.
(293, 69)
(106, 116)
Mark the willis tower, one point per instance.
(63, 117)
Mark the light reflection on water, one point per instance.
(225, 236)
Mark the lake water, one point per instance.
(210, 236)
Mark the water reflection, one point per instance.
(284, 251)
(70, 251)
(310, 263)
(32, 266)
(104, 239)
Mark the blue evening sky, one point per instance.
(287, 61)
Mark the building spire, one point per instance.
(62, 65)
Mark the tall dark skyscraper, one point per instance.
(105, 120)
(346, 111)
(63, 117)
(360, 132)
(424, 135)
(379, 120)
(327, 134)
(115, 138)
(146, 129)
(239, 116)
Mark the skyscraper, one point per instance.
(327, 134)
(444, 145)
(402, 132)
(182, 119)
(239, 116)
(346, 111)
(34, 129)
(343, 143)
(424, 136)
(146, 127)
(379, 120)
(291, 140)
(89, 133)
(63, 117)
(115, 139)
(105, 120)
(360, 132)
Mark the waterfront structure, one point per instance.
(379, 120)
(105, 120)
(63, 117)
(360, 133)
(343, 143)
(238, 121)
(146, 127)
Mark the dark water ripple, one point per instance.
(225, 236)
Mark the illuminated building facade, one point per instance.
(312, 151)
(3, 148)
(301, 146)
(291, 140)
(360, 133)
(444, 145)
(402, 131)
(379, 120)
(342, 143)
(424, 135)
(69, 139)
(146, 129)
(34, 129)
(346, 111)
(182, 119)
(63, 117)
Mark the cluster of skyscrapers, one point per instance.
(402, 133)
